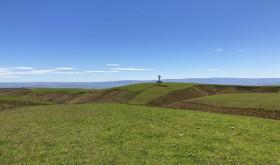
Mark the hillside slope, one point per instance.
(208, 90)
(171, 95)
(140, 94)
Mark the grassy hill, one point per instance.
(135, 87)
(171, 95)
(107, 133)
(146, 93)
(150, 91)
(55, 90)
(12, 99)
(269, 101)
(132, 94)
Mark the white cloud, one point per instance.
(131, 69)
(113, 64)
(66, 72)
(48, 71)
(214, 69)
(4, 69)
(34, 72)
(65, 68)
(12, 72)
(99, 71)
(8, 76)
(16, 68)
(23, 68)
(218, 50)
(5, 72)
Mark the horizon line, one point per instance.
(134, 80)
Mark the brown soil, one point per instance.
(70, 98)
(252, 112)
(206, 90)
(59, 97)
(12, 104)
(116, 95)
(7, 90)
(91, 97)
(14, 91)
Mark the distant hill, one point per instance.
(111, 84)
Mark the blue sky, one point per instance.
(72, 40)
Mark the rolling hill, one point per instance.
(229, 99)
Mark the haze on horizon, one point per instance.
(70, 40)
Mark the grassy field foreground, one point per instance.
(128, 134)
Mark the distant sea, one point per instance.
(111, 84)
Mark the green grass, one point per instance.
(155, 91)
(269, 101)
(136, 87)
(129, 134)
(12, 99)
(68, 90)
